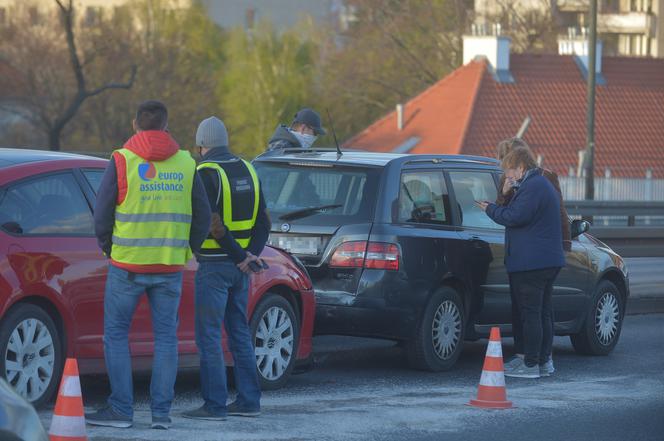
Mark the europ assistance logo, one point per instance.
(147, 171)
(163, 181)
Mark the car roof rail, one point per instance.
(453, 159)
(313, 150)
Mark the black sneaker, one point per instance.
(108, 417)
(234, 409)
(202, 413)
(161, 423)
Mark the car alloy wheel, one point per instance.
(446, 329)
(438, 340)
(275, 342)
(607, 318)
(601, 328)
(30, 359)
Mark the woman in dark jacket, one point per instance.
(533, 254)
(504, 196)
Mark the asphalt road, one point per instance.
(362, 390)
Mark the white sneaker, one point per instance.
(520, 370)
(547, 369)
(514, 361)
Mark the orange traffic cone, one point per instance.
(491, 393)
(68, 422)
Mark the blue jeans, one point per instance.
(222, 292)
(123, 291)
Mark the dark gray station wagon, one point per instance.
(396, 249)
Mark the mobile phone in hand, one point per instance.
(254, 266)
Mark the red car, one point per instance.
(52, 277)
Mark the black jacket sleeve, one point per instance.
(200, 214)
(261, 231)
(104, 211)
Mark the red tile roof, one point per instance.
(438, 116)
(469, 112)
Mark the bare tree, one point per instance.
(48, 90)
(82, 92)
(532, 25)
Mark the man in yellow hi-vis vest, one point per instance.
(151, 212)
(240, 229)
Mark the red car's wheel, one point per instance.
(276, 331)
(31, 353)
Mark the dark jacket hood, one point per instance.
(283, 139)
(152, 145)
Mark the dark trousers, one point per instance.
(531, 293)
(517, 324)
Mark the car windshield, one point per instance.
(345, 192)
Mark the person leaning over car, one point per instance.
(302, 133)
(151, 212)
(504, 196)
(533, 254)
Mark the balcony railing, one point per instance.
(573, 5)
(629, 23)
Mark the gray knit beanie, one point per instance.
(211, 133)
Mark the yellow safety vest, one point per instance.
(241, 227)
(152, 224)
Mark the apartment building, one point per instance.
(627, 27)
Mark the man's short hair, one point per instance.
(151, 115)
(507, 145)
(519, 157)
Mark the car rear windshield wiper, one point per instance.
(306, 212)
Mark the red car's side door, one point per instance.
(53, 253)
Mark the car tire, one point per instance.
(601, 328)
(275, 330)
(439, 338)
(31, 353)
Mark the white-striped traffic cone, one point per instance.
(68, 422)
(491, 393)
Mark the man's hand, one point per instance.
(244, 265)
(482, 205)
(217, 228)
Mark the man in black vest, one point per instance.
(239, 231)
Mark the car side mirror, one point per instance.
(579, 227)
(12, 227)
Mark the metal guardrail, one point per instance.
(615, 208)
(630, 240)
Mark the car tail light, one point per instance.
(375, 255)
(382, 256)
(349, 255)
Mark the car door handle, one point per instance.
(476, 241)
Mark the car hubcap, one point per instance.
(274, 343)
(446, 330)
(29, 359)
(607, 318)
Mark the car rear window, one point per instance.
(288, 188)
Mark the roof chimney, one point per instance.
(577, 45)
(494, 47)
(400, 116)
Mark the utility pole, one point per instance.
(590, 137)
